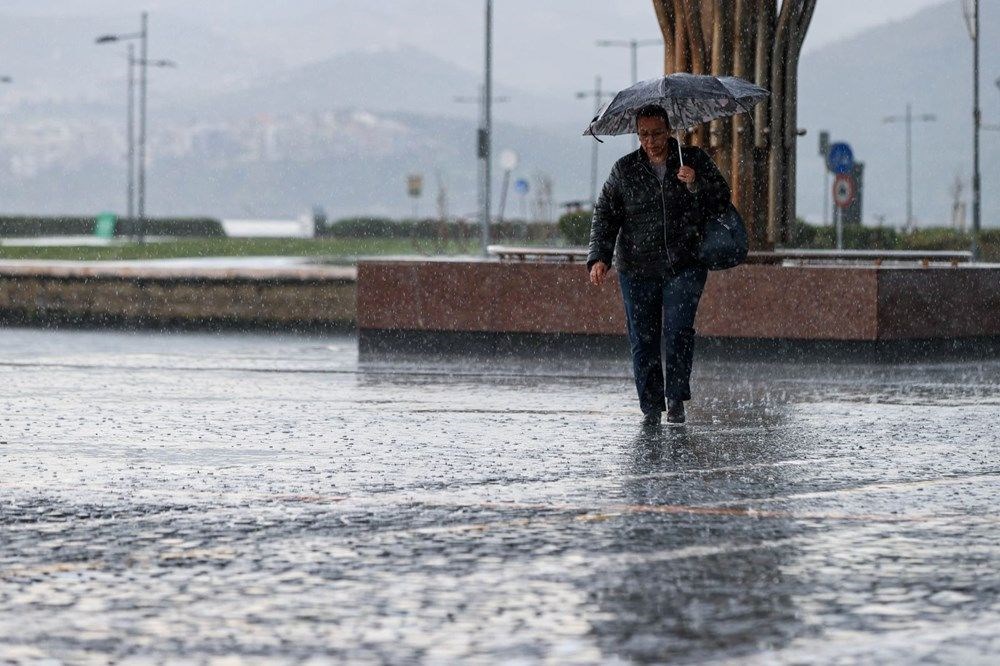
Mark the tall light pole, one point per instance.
(909, 119)
(480, 100)
(130, 128)
(486, 138)
(977, 120)
(144, 63)
(972, 23)
(598, 96)
(143, 55)
(633, 45)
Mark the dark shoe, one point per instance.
(651, 418)
(675, 411)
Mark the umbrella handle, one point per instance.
(679, 153)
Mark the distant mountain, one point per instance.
(402, 80)
(849, 87)
(342, 133)
(349, 162)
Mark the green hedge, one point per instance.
(575, 227)
(13, 226)
(432, 229)
(885, 238)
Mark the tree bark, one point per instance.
(798, 34)
(720, 131)
(665, 17)
(759, 40)
(741, 155)
(777, 180)
(681, 58)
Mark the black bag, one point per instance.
(724, 243)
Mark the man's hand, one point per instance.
(686, 175)
(598, 272)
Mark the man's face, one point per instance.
(653, 135)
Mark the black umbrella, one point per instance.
(688, 99)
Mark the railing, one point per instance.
(785, 257)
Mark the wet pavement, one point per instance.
(269, 499)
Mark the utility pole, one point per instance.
(480, 99)
(633, 45)
(909, 119)
(144, 63)
(598, 96)
(143, 55)
(972, 24)
(486, 137)
(977, 119)
(130, 130)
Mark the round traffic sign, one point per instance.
(521, 186)
(840, 159)
(844, 190)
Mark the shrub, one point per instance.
(575, 227)
(937, 238)
(31, 226)
(856, 237)
(367, 227)
(990, 243)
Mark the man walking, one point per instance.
(648, 220)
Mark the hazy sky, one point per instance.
(537, 41)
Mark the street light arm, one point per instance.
(628, 42)
(157, 63)
(108, 39)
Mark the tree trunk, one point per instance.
(796, 37)
(755, 40)
(741, 167)
(765, 12)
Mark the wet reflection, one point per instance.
(692, 584)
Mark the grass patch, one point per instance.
(336, 250)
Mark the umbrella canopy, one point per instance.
(688, 99)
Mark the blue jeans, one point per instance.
(660, 309)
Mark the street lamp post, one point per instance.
(480, 99)
(143, 55)
(976, 121)
(487, 138)
(908, 119)
(144, 63)
(972, 23)
(633, 45)
(130, 128)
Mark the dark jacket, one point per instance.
(649, 225)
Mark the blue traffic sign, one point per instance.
(840, 159)
(521, 186)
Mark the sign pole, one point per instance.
(840, 227)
